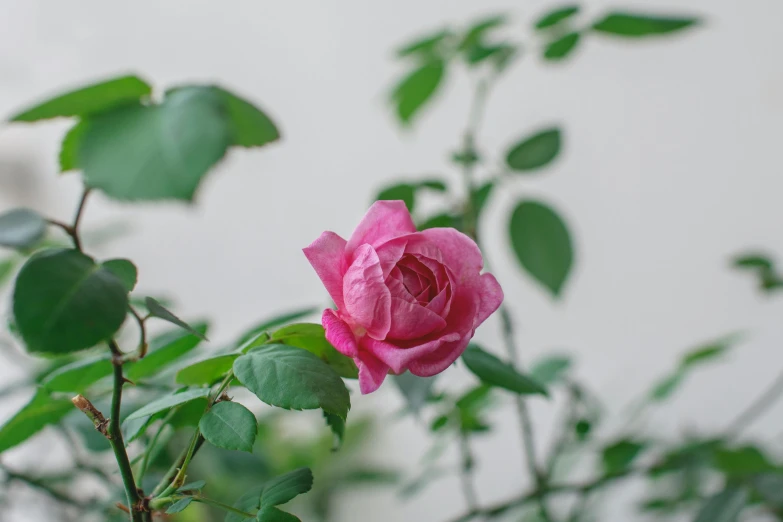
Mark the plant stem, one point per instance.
(134, 494)
(769, 397)
(73, 230)
(466, 476)
(224, 507)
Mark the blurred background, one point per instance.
(669, 168)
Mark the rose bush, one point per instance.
(406, 300)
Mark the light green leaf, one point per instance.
(495, 372)
(742, 462)
(250, 126)
(620, 455)
(667, 386)
(416, 390)
(69, 148)
(272, 514)
(7, 267)
(726, 506)
(192, 486)
(536, 151)
(639, 25)
(206, 372)
(292, 378)
(40, 412)
(476, 33)
(249, 502)
(156, 152)
(179, 505)
(168, 402)
(284, 488)
(63, 302)
(550, 369)
(21, 228)
(542, 244)
(312, 337)
(79, 375)
(164, 350)
(427, 46)
(268, 324)
(125, 271)
(561, 48)
(158, 310)
(557, 15)
(230, 426)
(417, 88)
(89, 100)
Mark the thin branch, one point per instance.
(466, 474)
(142, 332)
(758, 407)
(78, 219)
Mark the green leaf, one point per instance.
(542, 244)
(434, 184)
(495, 372)
(79, 375)
(312, 337)
(403, 191)
(41, 411)
(164, 350)
(284, 488)
(168, 402)
(562, 47)
(440, 221)
(556, 16)
(550, 370)
(639, 25)
(89, 100)
(427, 46)
(470, 406)
(192, 486)
(125, 271)
(416, 390)
(156, 152)
(21, 228)
(294, 379)
(7, 267)
(268, 324)
(619, 456)
(248, 502)
(179, 505)
(476, 33)
(667, 386)
(536, 151)
(337, 425)
(63, 302)
(417, 88)
(250, 126)
(480, 197)
(753, 261)
(158, 310)
(272, 514)
(69, 148)
(742, 461)
(207, 371)
(480, 53)
(230, 426)
(726, 506)
(706, 354)
(189, 414)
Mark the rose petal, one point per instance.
(367, 299)
(441, 304)
(383, 221)
(412, 321)
(491, 295)
(327, 256)
(399, 358)
(460, 253)
(339, 334)
(372, 372)
(439, 359)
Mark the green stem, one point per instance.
(151, 448)
(224, 507)
(466, 477)
(174, 469)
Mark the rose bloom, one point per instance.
(406, 300)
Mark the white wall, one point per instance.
(671, 165)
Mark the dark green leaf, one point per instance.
(480, 53)
(69, 148)
(158, 310)
(337, 425)
(562, 47)
(416, 390)
(280, 490)
(189, 414)
(542, 244)
(434, 184)
(550, 369)
(89, 100)
(536, 151)
(250, 126)
(428, 46)
(726, 506)
(414, 90)
(770, 487)
(268, 324)
(206, 372)
(168, 402)
(124, 270)
(638, 25)
(156, 152)
(439, 423)
(79, 375)
(705, 354)
(179, 505)
(476, 33)
(312, 337)
(495, 372)
(439, 221)
(480, 197)
(556, 16)
(743, 461)
(620, 455)
(272, 514)
(21, 228)
(192, 486)
(41, 411)
(292, 378)
(230, 426)
(403, 191)
(249, 502)
(753, 261)
(582, 429)
(63, 302)
(164, 350)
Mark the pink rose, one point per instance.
(406, 300)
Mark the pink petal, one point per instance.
(327, 256)
(399, 358)
(339, 334)
(491, 295)
(372, 372)
(441, 304)
(440, 359)
(367, 299)
(460, 253)
(412, 321)
(383, 221)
